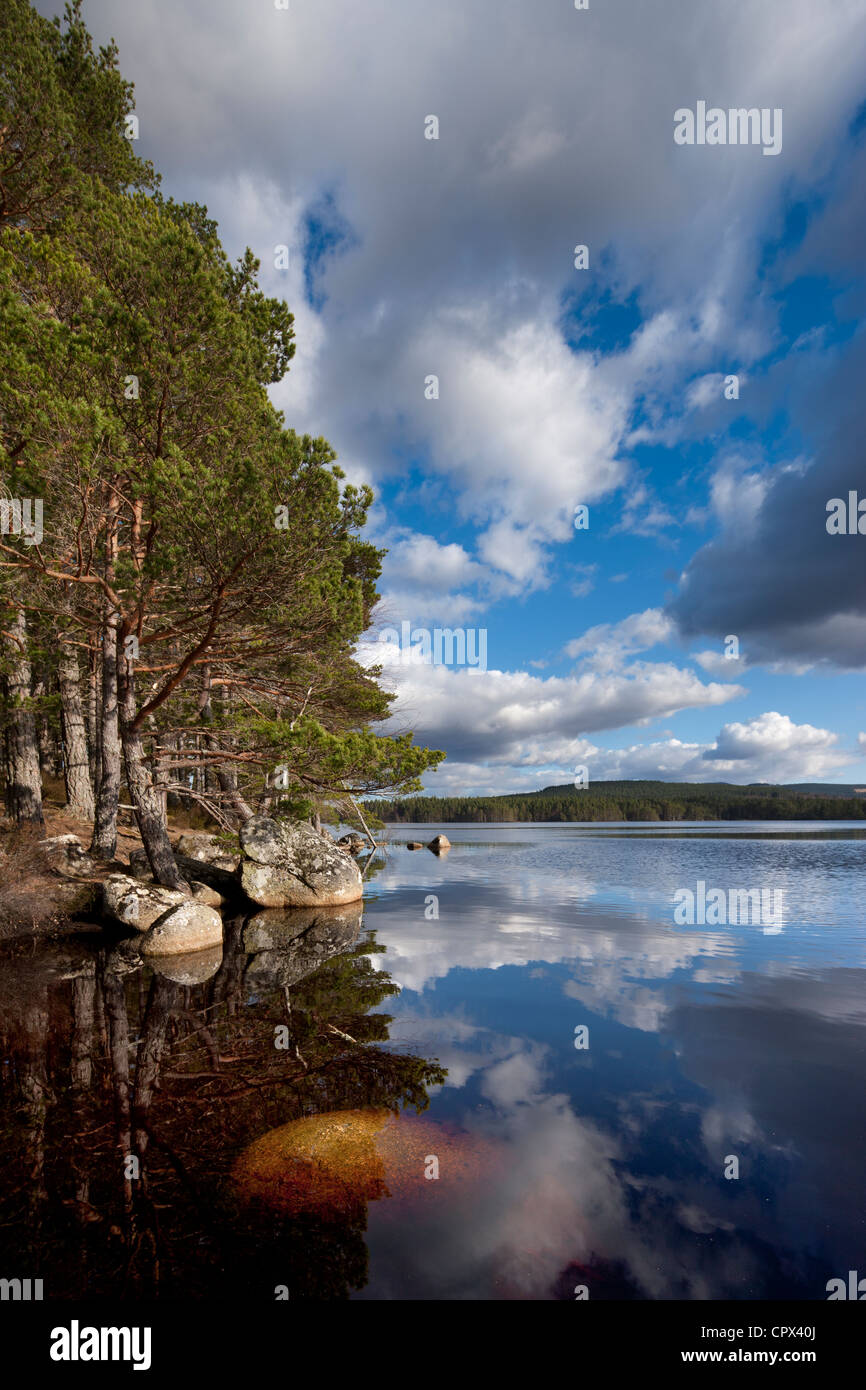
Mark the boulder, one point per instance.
(439, 843)
(353, 842)
(208, 849)
(136, 904)
(290, 865)
(190, 926)
(414, 844)
(216, 876)
(221, 882)
(203, 893)
(139, 864)
(67, 855)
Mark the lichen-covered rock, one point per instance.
(67, 855)
(207, 849)
(203, 893)
(136, 904)
(221, 883)
(292, 866)
(74, 899)
(190, 926)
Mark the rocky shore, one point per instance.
(270, 864)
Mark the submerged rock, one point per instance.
(190, 926)
(414, 844)
(293, 866)
(331, 1165)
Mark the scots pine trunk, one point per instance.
(104, 845)
(79, 788)
(93, 736)
(24, 784)
(44, 740)
(226, 778)
(228, 784)
(150, 815)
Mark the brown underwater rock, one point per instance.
(331, 1165)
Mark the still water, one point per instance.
(592, 1098)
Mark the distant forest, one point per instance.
(638, 801)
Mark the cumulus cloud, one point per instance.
(515, 717)
(440, 263)
(425, 580)
(454, 258)
(608, 645)
(774, 737)
(767, 748)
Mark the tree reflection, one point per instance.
(128, 1091)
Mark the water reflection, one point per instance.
(127, 1091)
(223, 1128)
(705, 1043)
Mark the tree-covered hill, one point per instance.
(637, 801)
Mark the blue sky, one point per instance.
(561, 386)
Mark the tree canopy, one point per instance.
(200, 566)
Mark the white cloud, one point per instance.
(607, 646)
(768, 748)
(717, 664)
(737, 495)
(523, 720)
(422, 579)
(451, 269)
(795, 752)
